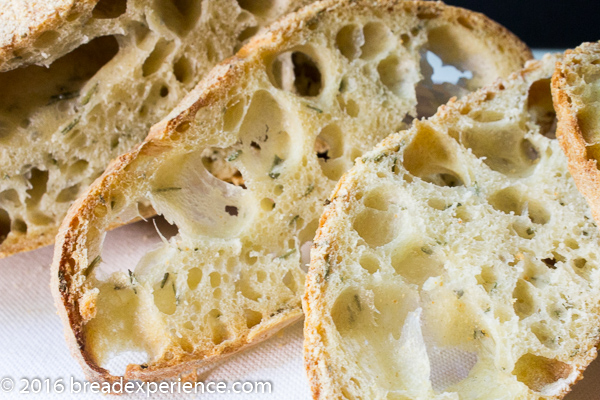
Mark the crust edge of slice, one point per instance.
(582, 166)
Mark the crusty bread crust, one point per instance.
(318, 325)
(567, 82)
(70, 256)
(22, 22)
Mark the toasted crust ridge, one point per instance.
(567, 86)
(24, 22)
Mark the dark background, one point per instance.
(543, 23)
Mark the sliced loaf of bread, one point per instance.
(114, 68)
(457, 260)
(241, 167)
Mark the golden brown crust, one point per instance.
(69, 256)
(582, 165)
(22, 22)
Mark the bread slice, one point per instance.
(128, 64)
(241, 167)
(576, 91)
(457, 260)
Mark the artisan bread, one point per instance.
(241, 167)
(462, 239)
(123, 66)
(576, 91)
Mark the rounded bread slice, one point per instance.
(242, 167)
(457, 260)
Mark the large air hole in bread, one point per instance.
(118, 291)
(511, 200)
(502, 147)
(108, 9)
(398, 75)
(446, 70)
(38, 182)
(179, 16)
(183, 70)
(156, 59)
(416, 262)
(4, 224)
(354, 314)
(329, 147)
(263, 136)
(219, 162)
(377, 228)
(296, 71)
(537, 372)
(544, 333)
(193, 214)
(349, 40)
(370, 263)
(368, 42)
(432, 157)
(46, 39)
(524, 302)
(27, 89)
(37, 186)
(377, 40)
(541, 109)
(588, 120)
